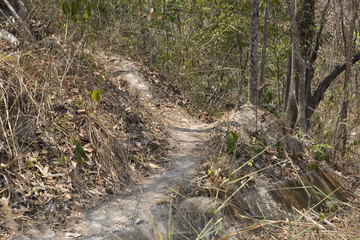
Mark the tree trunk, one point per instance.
(288, 81)
(243, 62)
(263, 49)
(254, 29)
(22, 22)
(306, 26)
(299, 68)
(308, 50)
(291, 108)
(357, 82)
(349, 48)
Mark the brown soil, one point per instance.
(141, 210)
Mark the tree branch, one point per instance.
(20, 20)
(324, 85)
(318, 34)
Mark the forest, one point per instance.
(302, 62)
(69, 131)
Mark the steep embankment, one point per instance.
(68, 136)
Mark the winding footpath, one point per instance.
(134, 215)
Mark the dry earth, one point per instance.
(142, 213)
(134, 215)
(272, 178)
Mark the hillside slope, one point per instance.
(68, 135)
(80, 126)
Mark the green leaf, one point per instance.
(231, 140)
(65, 8)
(31, 162)
(211, 171)
(320, 155)
(299, 134)
(315, 147)
(96, 95)
(313, 167)
(326, 146)
(64, 159)
(75, 8)
(80, 154)
(88, 11)
(78, 102)
(354, 143)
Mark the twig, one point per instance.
(6, 16)
(305, 215)
(20, 19)
(326, 221)
(259, 225)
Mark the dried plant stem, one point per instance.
(20, 20)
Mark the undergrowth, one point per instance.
(67, 134)
(263, 189)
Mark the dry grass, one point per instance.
(46, 108)
(264, 168)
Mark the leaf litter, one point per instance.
(54, 101)
(68, 135)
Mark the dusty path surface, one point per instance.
(133, 215)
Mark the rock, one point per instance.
(139, 221)
(47, 233)
(21, 237)
(9, 37)
(196, 213)
(41, 232)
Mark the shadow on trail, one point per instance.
(180, 129)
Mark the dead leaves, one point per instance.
(42, 173)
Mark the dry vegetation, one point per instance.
(47, 108)
(260, 163)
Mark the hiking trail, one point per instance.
(133, 215)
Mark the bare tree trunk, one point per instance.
(309, 46)
(310, 51)
(243, 62)
(254, 29)
(349, 49)
(357, 82)
(299, 68)
(288, 82)
(263, 49)
(164, 25)
(20, 8)
(291, 108)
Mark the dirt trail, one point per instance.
(127, 216)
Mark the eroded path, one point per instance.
(134, 215)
